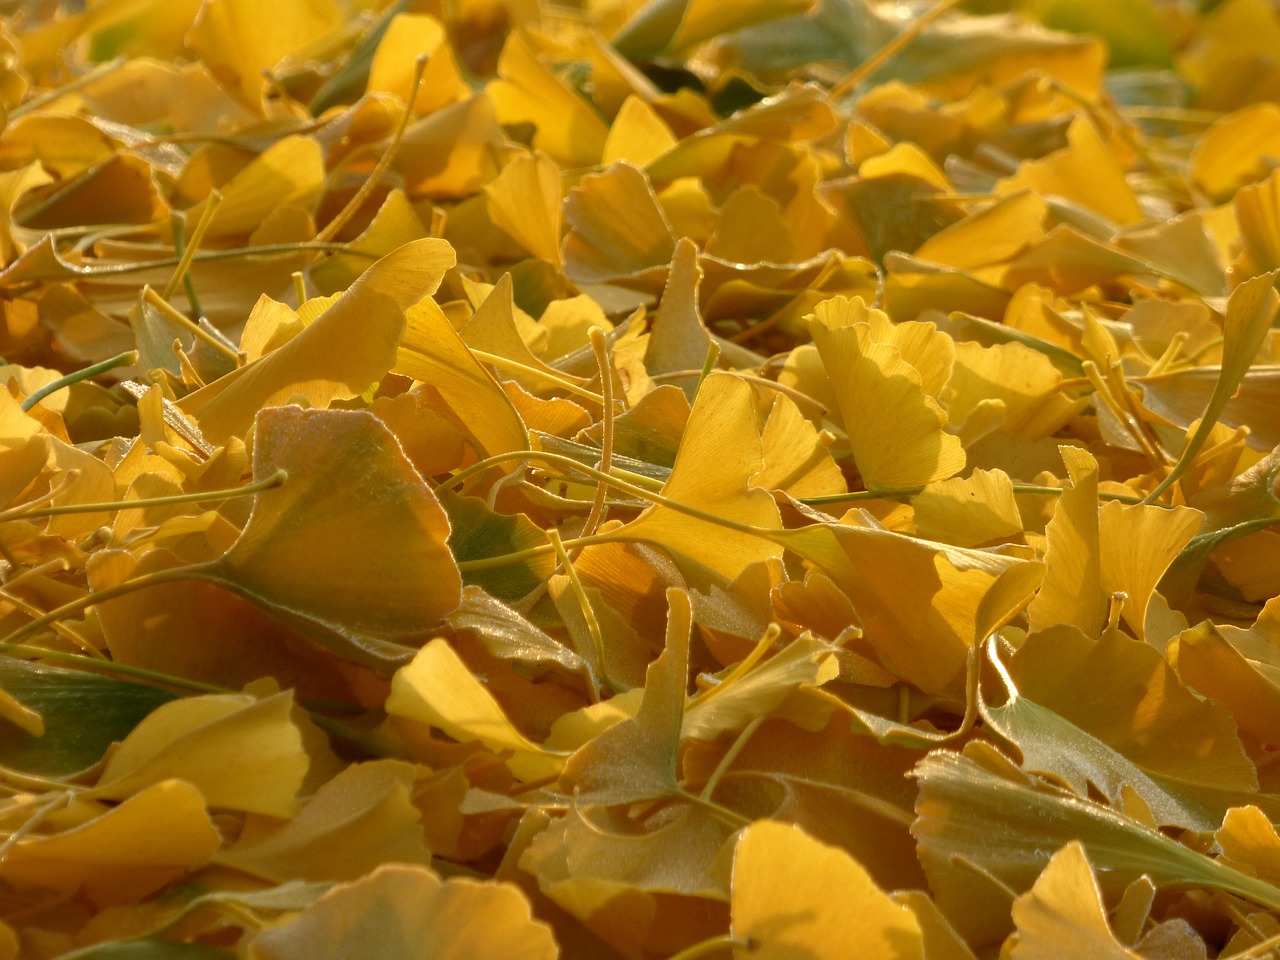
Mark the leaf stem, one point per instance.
(506, 363)
(601, 349)
(94, 664)
(167, 575)
(21, 513)
(868, 67)
(375, 176)
(187, 252)
(102, 366)
(731, 755)
(180, 319)
(588, 612)
(710, 947)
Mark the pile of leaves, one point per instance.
(628, 480)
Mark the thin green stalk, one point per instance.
(20, 513)
(636, 491)
(110, 666)
(169, 575)
(119, 360)
(731, 755)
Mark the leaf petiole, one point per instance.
(21, 513)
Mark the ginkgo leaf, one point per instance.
(338, 356)
(1072, 591)
(358, 820)
(797, 461)
(616, 227)
(288, 173)
(230, 640)
(395, 224)
(1137, 543)
(1232, 152)
(635, 760)
(1089, 740)
(1250, 310)
(350, 495)
(672, 24)
(1063, 910)
(719, 454)
(923, 606)
(658, 886)
(409, 912)
(567, 128)
(1205, 661)
(230, 39)
(973, 822)
(637, 134)
(838, 784)
(740, 696)
(970, 512)
(240, 753)
(123, 853)
(895, 428)
(524, 201)
(408, 36)
(438, 689)
(77, 714)
(678, 339)
(433, 352)
(1085, 160)
(782, 907)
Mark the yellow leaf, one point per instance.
(617, 228)
(1249, 841)
(923, 607)
(525, 202)
(358, 820)
(1234, 151)
(290, 172)
(439, 690)
(970, 512)
(237, 43)
(718, 456)
(409, 913)
(783, 905)
(796, 461)
(637, 135)
(635, 760)
(408, 36)
(124, 853)
(568, 129)
(432, 351)
(1063, 913)
(1136, 545)
(1072, 590)
(351, 548)
(241, 753)
(895, 428)
(340, 355)
(1086, 171)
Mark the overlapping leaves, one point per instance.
(674, 479)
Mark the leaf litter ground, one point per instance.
(634, 480)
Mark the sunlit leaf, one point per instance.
(1064, 911)
(123, 853)
(240, 753)
(781, 903)
(409, 912)
(339, 355)
(358, 820)
(349, 486)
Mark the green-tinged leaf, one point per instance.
(83, 714)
